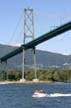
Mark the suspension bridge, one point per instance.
(32, 44)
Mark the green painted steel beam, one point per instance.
(39, 40)
(49, 35)
(11, 54)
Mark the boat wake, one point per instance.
(58, 95)
(50, 95)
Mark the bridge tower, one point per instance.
(28, 34)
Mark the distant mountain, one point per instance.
(44, 59)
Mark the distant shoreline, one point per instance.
(26, 82)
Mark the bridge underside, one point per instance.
(39, 40)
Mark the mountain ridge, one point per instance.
(44, 59)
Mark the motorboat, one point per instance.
(39, 94)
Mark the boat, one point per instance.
(39, 94)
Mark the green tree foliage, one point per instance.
(44, 75)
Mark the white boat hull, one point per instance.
(39, 95)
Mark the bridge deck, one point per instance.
(39, 40)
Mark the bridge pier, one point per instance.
(35, 70)
(23, 67)
(3, 69)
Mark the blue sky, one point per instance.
(47, 15)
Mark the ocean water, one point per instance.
(20, 96)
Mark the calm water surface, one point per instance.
(20, 96)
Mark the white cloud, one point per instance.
(15, 44)
(66, 53)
